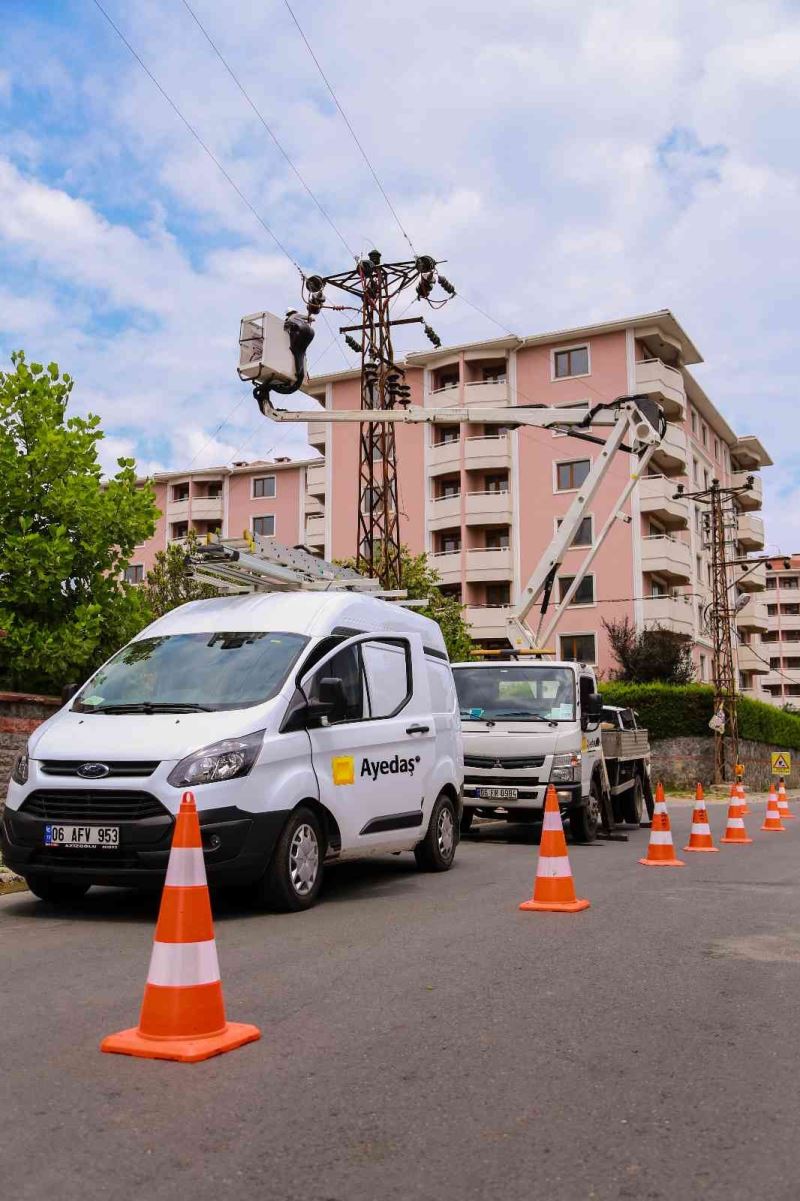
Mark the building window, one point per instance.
(134, 574)
(449, 488)
(699, 565)
(584, 593)
(446, 434)
(789, 581)
(496, 483)
(772, 583)
(570, 476)
(214, 491)
(179, 530)
(579, 648)
(497, 539)
(498, 594)
(716, 448)
(583, 534)
(702, 667)
(264, 487)
(694, 423)
(658, 588)
(494, 375)
(449, 542)
(446, 379)
(180, 492)
(264, 527)
(775, 664)
(705, 435)
(567, 363)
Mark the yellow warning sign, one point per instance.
(781, 763)
(344, 769)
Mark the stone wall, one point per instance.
(20, 714)
(681, 762)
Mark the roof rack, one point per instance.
(251, 564)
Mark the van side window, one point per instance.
(346, 666)
(388, 671)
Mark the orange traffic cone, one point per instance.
(783, 804)
(735, 830)
(700, 837)
(183, 1013)
(660, 851)
(554, 888)
(742, 797)
(772, 820)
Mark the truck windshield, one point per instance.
(516, 693)
(184, 673)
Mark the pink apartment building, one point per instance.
(483, 502)
(779, 645)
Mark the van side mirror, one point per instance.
(591, 710)
(68, 692)
(330, 701)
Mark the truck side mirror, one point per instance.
(68, 692)
(591, 710)
(330, 701)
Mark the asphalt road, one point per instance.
(423, 1039)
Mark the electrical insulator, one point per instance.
(355, 346)
(425, 286)
(425, 264)
(447, 286)
(431, 335)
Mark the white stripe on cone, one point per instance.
(701, 828)
(552, 866)
(186, 867)
(660, 809)
(552, 821)
(735, 823)
(183, 964)
(661, 838)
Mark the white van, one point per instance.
(310, 726)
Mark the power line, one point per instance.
(263, 121)
(350, 127)
(267, 229)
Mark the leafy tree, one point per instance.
(65, 535)
(654, 653)
(169, 581)
(422, 582)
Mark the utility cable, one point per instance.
(267, 229)
(269, 130)
(353, 134)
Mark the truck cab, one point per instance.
(527, 724)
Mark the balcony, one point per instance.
(316, 435)
(750, 532)
(489, 563)
(488, 508)
(315, 530)
(664, 384)
(487, 621)
(315, 480)
(443, 398)
(749, 661)
(672, 456)
(444, 513)
(313, 506)
(753, 498)
(207, 508)
(488, 454)
(657, 499)
(448, 566)
(177, 510)
(754, 581)
(444, 457)
(666, 557)
(674, 613)
(753, 617)
(487, 392)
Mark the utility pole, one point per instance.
(720, 523)
(375, 286)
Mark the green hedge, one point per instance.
(675, 711)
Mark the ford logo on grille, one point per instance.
(94, 771)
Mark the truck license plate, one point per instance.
(497, 794)
(81, 836)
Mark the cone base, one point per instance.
(788, 817)
(702, 850)
(774, 829)
(733, 841)
(183, 1050)
(662, 863)
(554, 906)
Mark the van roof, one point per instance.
(311, 613)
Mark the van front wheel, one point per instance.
(437, 850)
(293, 879)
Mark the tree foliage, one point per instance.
(422, 582)
(170, 582)
(65, 536)
(654, 653)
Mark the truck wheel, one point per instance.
(633, 804)
(56, 893)
(293, 879)
(583, 822)
(437, 850)
(467, 816)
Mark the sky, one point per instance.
(572, 162)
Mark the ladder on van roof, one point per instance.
(251, 564)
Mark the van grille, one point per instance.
(101, 805)
(503, 763)
(69, 767)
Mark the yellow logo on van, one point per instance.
(344, 769)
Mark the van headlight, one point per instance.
(226, 760)
(19, 772)
(566, 769)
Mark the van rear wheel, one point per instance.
(438, 848)
(293, 878)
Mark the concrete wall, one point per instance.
(681, 762)
(20, 714)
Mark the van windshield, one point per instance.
(184, 673)
(511, 693)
